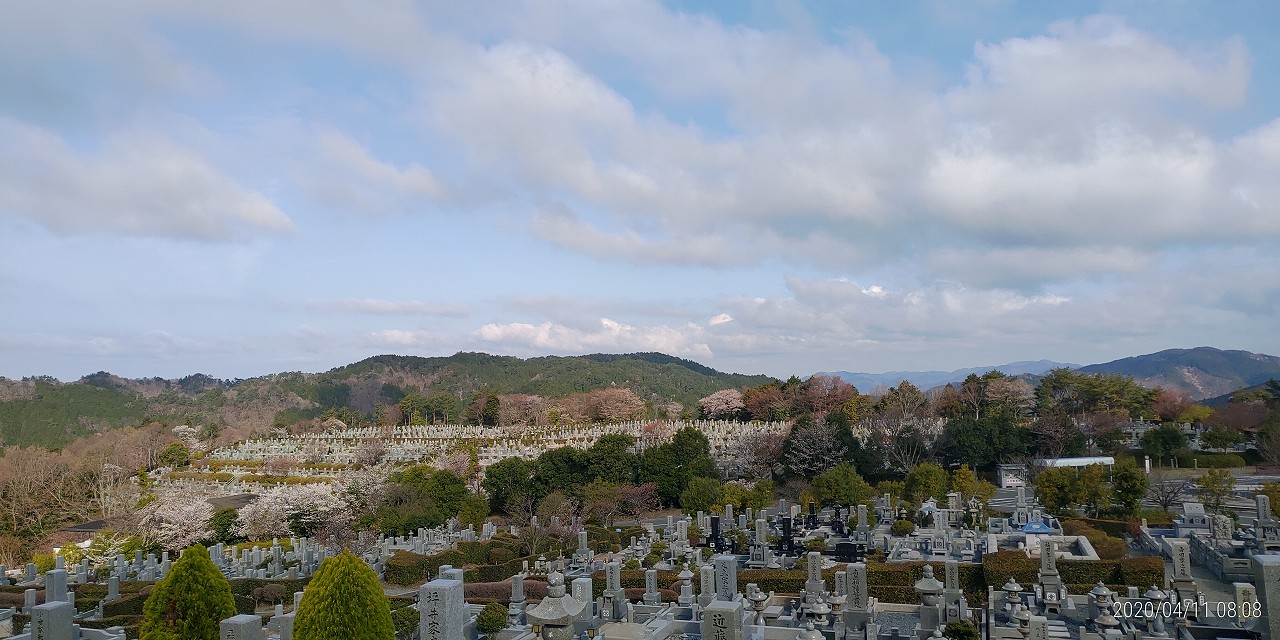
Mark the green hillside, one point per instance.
(52, 414)
(49, 413)
(653, 376)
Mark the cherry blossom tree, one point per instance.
(724, 404)
(176, 520)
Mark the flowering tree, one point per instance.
(176, 521)
(724, 404)
(291, 509)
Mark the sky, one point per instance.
(242, 187)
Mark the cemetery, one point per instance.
(782, 573)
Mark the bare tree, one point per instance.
(813, 447)
(1054, 432)
(758, 454)
(1167, 490)
(904, 445)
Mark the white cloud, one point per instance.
(611, 336)
(720, 319)
(138, 183)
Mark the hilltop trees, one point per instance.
(190, 601)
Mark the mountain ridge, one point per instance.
(866, 382)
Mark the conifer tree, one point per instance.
(189, 602)
(344, 601)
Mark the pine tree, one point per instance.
(190, 601)
(344, 602)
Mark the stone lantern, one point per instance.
(1155, 620)
(554, 616)
(928, 587)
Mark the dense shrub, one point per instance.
(344, 602)
(492, 619)
(902, 527)
(1111, 549)
(190, 601)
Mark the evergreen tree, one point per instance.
(344, 602)
(189, 602)
(492, 619)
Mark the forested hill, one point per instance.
(46, 412)
(1202, 372)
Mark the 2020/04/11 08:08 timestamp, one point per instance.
(1147, 609)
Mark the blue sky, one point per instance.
(239, 188)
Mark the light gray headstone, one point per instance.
(241, 627)
(55, 585)
(442, 610)
(1180, 551)
(613, 576)
(722, 620)
(858, 585)
(28, 601)
(581, 591)
(517, 588)
(952, 571)
(1048, 557)
(707, 580)
(452, 574)
(1266, 577)
(52, 621)
(726, 568)
(1246, 597)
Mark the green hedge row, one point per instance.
(1210, 460)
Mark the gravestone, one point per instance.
(442, 612)
(722, 620)
(1246, 597)
(241, 627)
(857, 585)
(1182, 556)
(726, 568)
(51, 621)
(651, 595)
(55, 585)
(814, 584)
(581, 590)
(1048, 559)
(1266, 577)
(707, 584)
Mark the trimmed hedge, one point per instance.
(1210, 460)
(127, 605)
(245, 586)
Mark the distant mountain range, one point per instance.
(925, 380)
(1202, 372)
(46, 412)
